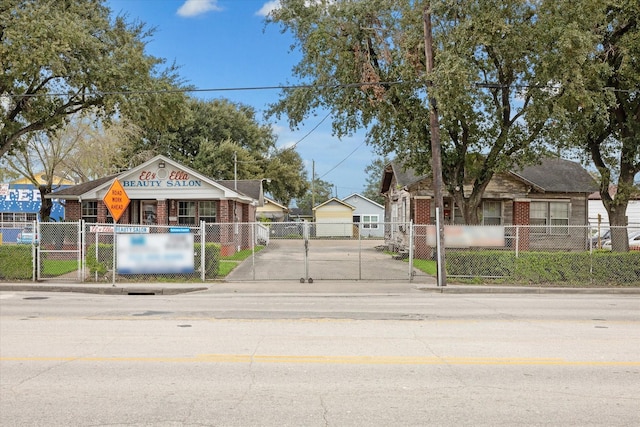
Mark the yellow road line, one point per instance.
(330, 360)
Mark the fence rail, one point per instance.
(535, 254)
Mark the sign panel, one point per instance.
(155, 253)
(116, 200)
(467, 236)
(119, 229)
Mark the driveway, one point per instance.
(324, 259)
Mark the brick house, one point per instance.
(164, 192)
(550, 197)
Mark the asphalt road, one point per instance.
(405, 358)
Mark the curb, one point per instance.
(102, 290)
(528, 290)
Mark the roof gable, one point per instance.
(360, 196)
(158, 174)
(334, 201)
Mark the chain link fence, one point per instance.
(305, 251)
(534, 254)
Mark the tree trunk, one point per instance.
(617, 210)
(46, 204)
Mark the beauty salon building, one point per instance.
(164, 192)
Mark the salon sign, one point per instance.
(162, 178)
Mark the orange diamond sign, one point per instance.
(116, 200)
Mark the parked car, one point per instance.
(604, 235)
(634, 242)
(27, 236)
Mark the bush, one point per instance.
(16, 262)
(211, 259)
(576, 268)
(105, 261)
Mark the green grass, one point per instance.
(228, 263)
(426, 266)
(225, 267)
(242, 255)
(59, 267)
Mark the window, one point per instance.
(207, 211)
(187, 213)
(491, 212)
(90, 211)
(369, 221)
(549, 217)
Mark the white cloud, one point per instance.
(268, 7)
(192, 8)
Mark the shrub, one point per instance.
(16, 262)
(211, 259)
(600, 267)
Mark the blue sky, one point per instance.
(223, 44)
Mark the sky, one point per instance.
(225, 44)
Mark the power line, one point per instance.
(341, 161)
(194, 90)
(486, 85)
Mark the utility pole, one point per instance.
(313, 180)
(235, 171)
(436, 156)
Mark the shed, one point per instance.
(334, 218)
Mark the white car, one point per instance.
(634, 242)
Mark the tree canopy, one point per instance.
(59, 57)
(594, 62)
(224, 140)
(366, 62)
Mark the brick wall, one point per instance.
(521, 212)
(72, 210)
(421, 215)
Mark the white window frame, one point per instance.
(207, 206)
(186, 205)
(369, 221)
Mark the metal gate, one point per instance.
(58, 251)
(311, 251)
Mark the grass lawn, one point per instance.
(228, 263)
(53, 267)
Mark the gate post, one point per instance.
(203, 242)
(411, 250)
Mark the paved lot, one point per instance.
(330, 259)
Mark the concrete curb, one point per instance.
(453, 289)
(328, 287)
(102, 290)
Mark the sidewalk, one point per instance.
(295, 287)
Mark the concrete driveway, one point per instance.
(324, 259)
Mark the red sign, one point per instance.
(116, 200)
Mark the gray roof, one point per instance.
(555, 175)
(551, 174)
(248, 187)
(80, 189)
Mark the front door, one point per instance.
(149, 212)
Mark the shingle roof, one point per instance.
(78, 190)
(248, 187)
(558, 176)
(551, 174)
